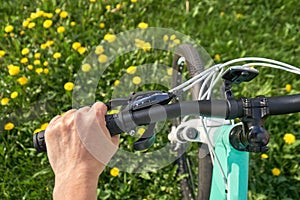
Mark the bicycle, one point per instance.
(228, 143)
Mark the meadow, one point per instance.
(43, 44)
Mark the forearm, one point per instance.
(78, 186)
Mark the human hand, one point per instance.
(79, 146)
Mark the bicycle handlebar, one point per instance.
(127, 120)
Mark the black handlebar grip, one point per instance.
(39, 138)
(39, 141)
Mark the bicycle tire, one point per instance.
(194, 66)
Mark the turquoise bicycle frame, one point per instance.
(235, 166)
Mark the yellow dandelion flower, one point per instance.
(9, 126)
(14, 95)
(133, 1)
(36, 62)
(22, 80)
(4, 101)
(102, 25)
(2, 53)
(146, 46)
(142, 25)
(136, 80)
(165, 38)
(37, 130)
(57, 10)
(116, 82)
(176, 41)
(45, 63)
(217, 57)
(86, 67)
(238, 16)
(25, 23)
(33, 15)
(76, 45)
(30, 67)
(99, 50)
(60, 29)
(288, 87)
(73, 23)
(118, 6)
(24, 60)
(31, 25)
(22, 32)
(108, 7)
(276, 171)
(8, 28)
(139, 43)
(92, 1)
(289, 138)
(43, 46)
(44, 126)
(170, 71)
(81, 50)
(102, 58)
(63, 14)
(141, 131)
(173, 37)
(49, 42)
(13, 70)
(37, 55)
(109, 37)
(264, 156)
(112, 112)
(131, 70)
(114, 171)
(69, 86)
(25, 51)
(46, 71)
(57, 55)
(222, 13)
(39, 70)
(48, 15)
(40, 13)
(47, 23)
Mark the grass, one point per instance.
(226, 29)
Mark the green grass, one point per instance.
(230, 29)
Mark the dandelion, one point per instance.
(60, 29)
(2, 53)
(264, 156)
(69, 86)
(131, 70)
(48, 15)
(30, 67)
(63, 14)
(33, 15)
(13, 70)
(26, 23)
(92, 1)
(40, 13)
(46, 71)
(37, 130)
(57, 55)
(170, 71)
(37, 55)
(9, 126)
(49, 43)
(76, 45)
(142, 25)
(57, 10)
(173, 37)
(99, 50)
(141, 131)
(8, 28)
(112, 112)
(31, 25)
(4, 101)
(238, 16)
(14, 95)
(81, 50)
(86, 67)
(25, 51)
(217, 57)
(36, 62)
(133, 1)
(73, 23)
(109, 37)
(288, 87)
(222, 14)
(118, 6)
(276, 171)
(146, 46)
(43, 46)
(136, 80)
(102, 58)
(108, 7)
(114, 171)
(22, 32)
(116, 82)
(102, 25)
(177, 41)
(289, 138)
(165, 38)
(22, 80)
(47, 23)
(39, 70)
(45, 63)
(24, 60)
